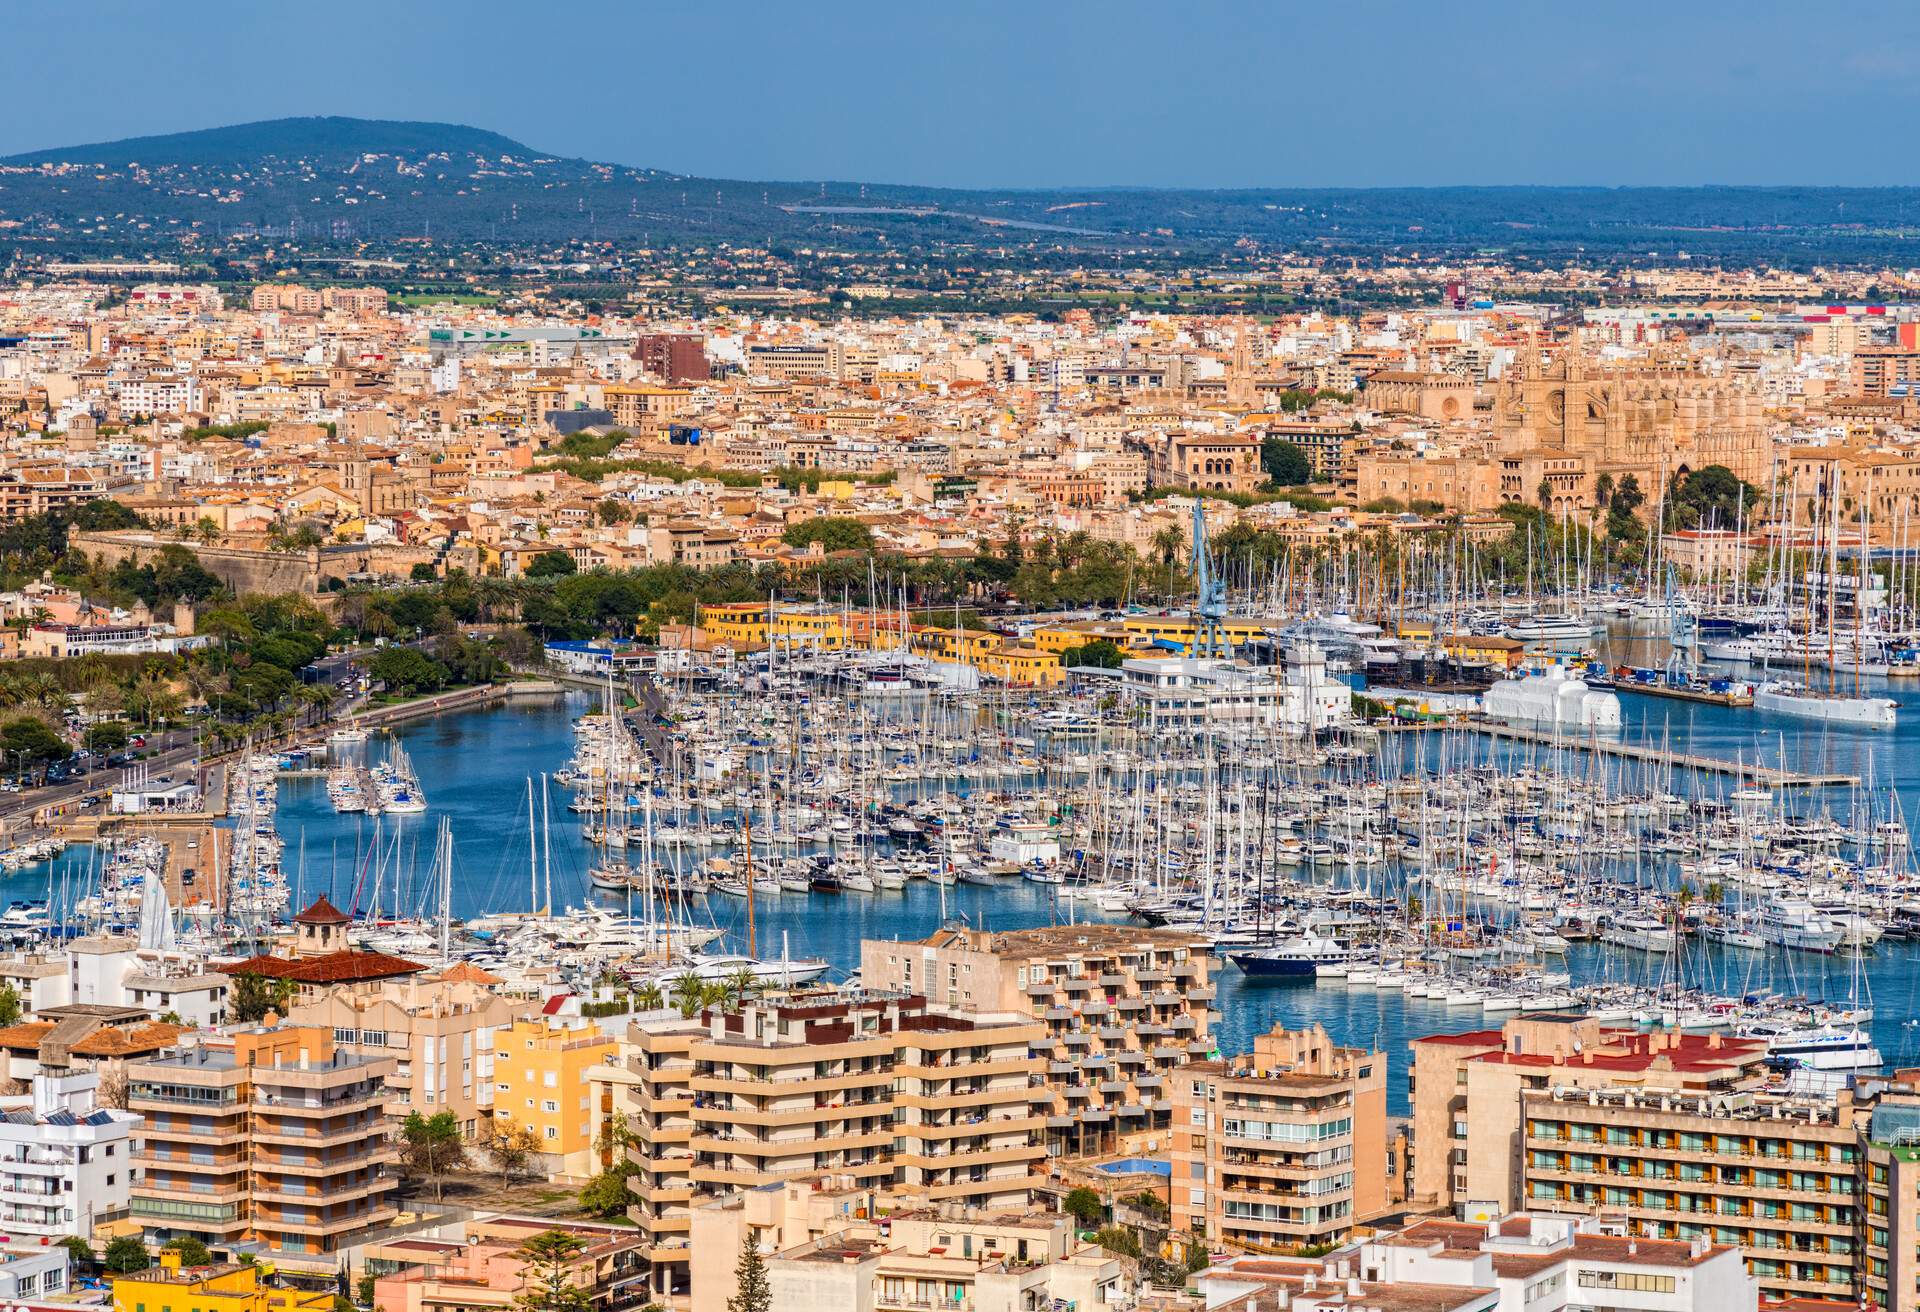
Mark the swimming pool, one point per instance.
(1137, 1166)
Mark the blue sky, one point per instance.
(1037, 93)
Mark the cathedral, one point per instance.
(1648, 420)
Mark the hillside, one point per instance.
(330, 138)
(359, 182)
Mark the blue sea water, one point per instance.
(475, 766)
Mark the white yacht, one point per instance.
(1792, 923)
(1640, 932)
(1804, 703)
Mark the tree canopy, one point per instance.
(1286, 463)
(833, 533)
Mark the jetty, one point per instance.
(1769, 776)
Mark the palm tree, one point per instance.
(689, 994)
(740, 985)
(648, 997)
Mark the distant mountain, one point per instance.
(356, 183)
(316, 139)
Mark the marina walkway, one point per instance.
(1715, 765)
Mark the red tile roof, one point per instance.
(333, 968)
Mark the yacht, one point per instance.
(1791, 923)
(1297, 958)
(1804, 703)
(1639, 931)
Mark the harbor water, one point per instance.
(475, 766)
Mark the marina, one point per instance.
(515, 781)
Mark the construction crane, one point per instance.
(1210, 594)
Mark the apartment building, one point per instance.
(1121, 1009)
(275, 1137)
(66, 1163)
(1285, 1147)
(1006, 1263)
(1536, 1263)
(882, 1092)
(1777, 1178)
(1464, 1092)
(440, 1032)
(540, 1084)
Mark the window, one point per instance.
(1632, 1280)
(549, 1106)
(552, 1133)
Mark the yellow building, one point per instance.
(738, 623)
(1023, 667)
(1065, 637)
(228, 1288)
(1145, 630)
(969, 646)
(540, 1083)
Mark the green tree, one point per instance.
(9, 1004)
(1085, 1207)
(752, 1292)
(126, 1253)
(404, 670)
(607, 1194)
(422, 572)
(550, 1286)
(1119, 1240)
(833, 533)
(363, 1291)
(1287, 463)
(79, 1251)
(192, 1251)
(26, 742)
(107, 736)
(1100, 653)
(551, 564)
(431, 1146)
(254, 995)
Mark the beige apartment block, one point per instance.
(1122, 1007)
(1779, 1178)
(278, 1139)
(883, 1093)
(1285, 1147)
(1464, 1091)
(438, 1031)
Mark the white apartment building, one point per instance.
(65, 1164)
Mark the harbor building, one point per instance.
(1121, 1008)
(1464, 1094)
(882, 1092)
(271, 1137)
(1285, 1147)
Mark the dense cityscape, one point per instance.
(578, 737)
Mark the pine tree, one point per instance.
(754, 1294)
(548, 1284)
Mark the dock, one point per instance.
(1765, 775)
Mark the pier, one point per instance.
(1766, 775)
